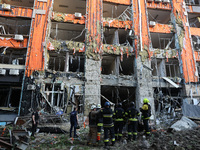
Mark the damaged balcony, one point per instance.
(14, 26)
(117, 72)
(117, 16)
(168, 102)
(198, 69)
(163, 41)
(194, 22)
(116, 95)
(196, 42)
(65, 62)
(159, 21)
(68, 32)
(159, 16)
(166, 70)
(57, 96)
(192, 2)
(69, 11)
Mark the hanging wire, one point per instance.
(78, 35)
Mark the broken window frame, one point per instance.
(66, 67)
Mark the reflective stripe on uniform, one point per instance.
(129, 133)
(106, 140)
(119, 134)
(113, 139)
(116, 134)
(132, 119)
(147, 118)
(98, 133)
(119, 119)
(108, 126)
(126, 113)
(134, 133)
(147, 132)
(100, 124)
(107, 115)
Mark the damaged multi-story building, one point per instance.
(57, 54)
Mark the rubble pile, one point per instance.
(18, 137)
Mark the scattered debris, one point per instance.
(183, 124)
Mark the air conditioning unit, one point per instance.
(152, 23)
(6, 6)
(14, 72)
(2, 71)
(78, 15)
(31, 87)
(19, 37)
(158, 1)
(166, 1)
(185, 13)
(150, 1)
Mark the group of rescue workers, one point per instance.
(113, 122)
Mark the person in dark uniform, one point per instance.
(73, 122)
(118, 116)
(92, 135)
(35, 120)
(108, 125)
(146, 114)
(99, 123)
(132, 115)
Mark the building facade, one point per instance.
(57, 54)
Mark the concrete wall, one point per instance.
(92, 84)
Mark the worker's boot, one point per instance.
(113, 142)
(134, 137)
(129, 138)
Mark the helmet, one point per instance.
(119, 104)
(145, 100)
(132, 104)
(98, 105)
(93, 107)
(107, 104)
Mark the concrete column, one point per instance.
(92, 84)
(144, 87)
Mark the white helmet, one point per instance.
(93, 107)
(98, 105)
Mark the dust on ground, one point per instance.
(163, 139)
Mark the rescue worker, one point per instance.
(108, 125)
(146, 114)
(118, 117)
(132, 115)
(73, 122)
(35, 120)
(92, 135)
(99, 123)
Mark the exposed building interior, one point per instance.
(59, 54)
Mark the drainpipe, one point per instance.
(140, 23)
